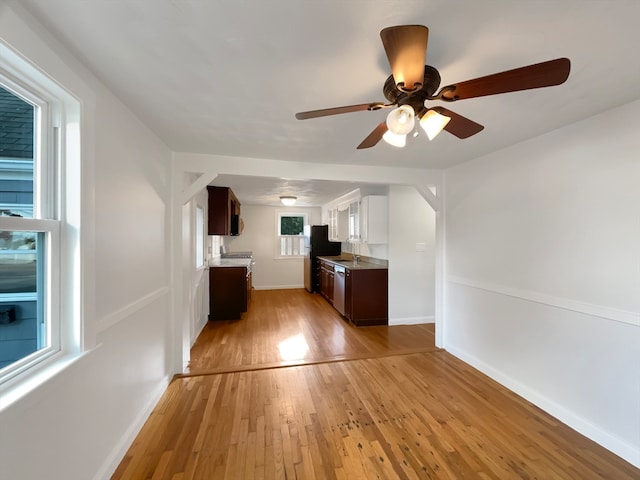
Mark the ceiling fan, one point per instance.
(412, 84)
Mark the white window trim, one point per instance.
(59, 216)
(278, 242)
(45, 220)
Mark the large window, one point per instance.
(29, 229)
(290, 231)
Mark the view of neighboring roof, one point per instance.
(16, 126)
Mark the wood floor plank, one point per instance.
(293, 327)
(422, 414)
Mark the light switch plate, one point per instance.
(420, 247)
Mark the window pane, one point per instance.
(16, 155)
(291, 225)
(22, 331)
(18, 262)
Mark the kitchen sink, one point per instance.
(350, 263)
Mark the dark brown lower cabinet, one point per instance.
(326, 280)
(229, 292)
(366, 296)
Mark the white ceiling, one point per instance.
(267, 190)
(227, 77)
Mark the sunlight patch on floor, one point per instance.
(293, 348)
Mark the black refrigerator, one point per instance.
(317, 244)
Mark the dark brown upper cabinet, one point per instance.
(224, 212)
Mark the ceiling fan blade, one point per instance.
(374, 137)
(406, 49)
(459, 126)
(337, 110)
(545, 74)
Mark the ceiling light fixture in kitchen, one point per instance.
(288, 200)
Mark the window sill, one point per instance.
(24, 384)
(297, 258)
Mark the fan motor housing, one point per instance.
(415, 99)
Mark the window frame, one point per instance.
(279, 237)
(56, 214)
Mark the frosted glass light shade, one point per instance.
(394, 139)
(433, 122)
(401, 120)
(288, 200)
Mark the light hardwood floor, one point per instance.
(374, 402)
(293, 327)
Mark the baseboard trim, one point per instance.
(110, 465)
(199, 327)
(277, 287)
(601, 311)
(412, 320)
(619, 447)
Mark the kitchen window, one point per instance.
(290, 234)
(37, 267)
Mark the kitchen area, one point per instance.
(346, 258)
(230, 273)
(356, 286)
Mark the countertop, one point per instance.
(365, 263)
(230, 262)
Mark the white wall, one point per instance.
(543, 273)
(411, 272)
(259, 236)
(374, 250)
(78, 423)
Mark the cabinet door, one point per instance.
(316, 276)
(227, 292)
(219, 212)
(343, 225)
(354, 221)
(224, 212)
(374, 219)
(367, 297)
(333, 224)
(324, 279)
(338, 225)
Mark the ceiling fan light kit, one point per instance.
(412, 85)
(433, 122)
(401, 120)
(394, 139)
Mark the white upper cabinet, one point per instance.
(338, 225)
(368, 220)
(354, 221)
